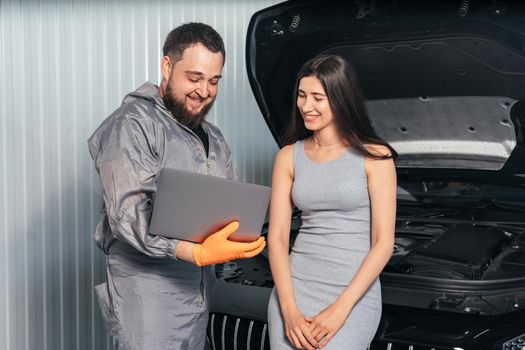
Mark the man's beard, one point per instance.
(181, 113)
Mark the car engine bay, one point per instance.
(449, 256)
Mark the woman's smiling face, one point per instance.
(313, 104)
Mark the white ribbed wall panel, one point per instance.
(64, 66)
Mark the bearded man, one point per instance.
(156, 295)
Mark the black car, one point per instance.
(445, 86)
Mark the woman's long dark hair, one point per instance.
(346, 102)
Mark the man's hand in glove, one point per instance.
(217, 249)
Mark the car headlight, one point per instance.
(517, 343)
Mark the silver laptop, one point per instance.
(191, 206)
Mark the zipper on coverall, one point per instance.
(207, 172)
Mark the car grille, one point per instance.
(228, 332)
(382, 345)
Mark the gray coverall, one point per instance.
(151, 300)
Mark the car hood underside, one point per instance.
(445, 91)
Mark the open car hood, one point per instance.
(445, 90)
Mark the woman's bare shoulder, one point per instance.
(284, 158)
(286, 152)
(379, 150)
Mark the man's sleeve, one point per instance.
(128, 164)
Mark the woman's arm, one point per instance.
(382, 186)
(278, 244)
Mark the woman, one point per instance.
(341, 175)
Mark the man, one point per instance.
(156, 296)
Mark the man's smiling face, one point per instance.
(193, 84)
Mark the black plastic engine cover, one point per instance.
(463, 252)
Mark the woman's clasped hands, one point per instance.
(297, 327)
(327, 323)
(312, 333)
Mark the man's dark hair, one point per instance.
(186, 35)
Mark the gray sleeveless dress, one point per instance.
(332, 243)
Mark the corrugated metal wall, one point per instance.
(64, 66)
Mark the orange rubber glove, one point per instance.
(217, 249)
